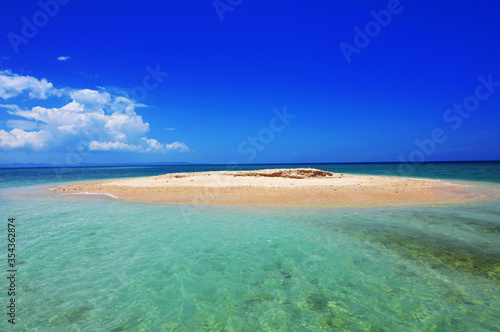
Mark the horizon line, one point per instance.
(90, 165)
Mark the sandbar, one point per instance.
(297, 187)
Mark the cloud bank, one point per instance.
(87, 120)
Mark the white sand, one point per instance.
(278, 187)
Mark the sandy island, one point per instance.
(303, 186)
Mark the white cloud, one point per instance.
(18, 138)
(10, 107)
(181, 147)
(124, 125)
(22, 124)
(12, 85)
(96, 120)
(111, 146)
(90, 97)
(151, 145)
(145, 145)
(169, 129)
(63, 58)
(68, 129)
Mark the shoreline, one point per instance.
(283, 187)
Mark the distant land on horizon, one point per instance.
(182, 163)
(46, 165)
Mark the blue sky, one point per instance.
(248, 81)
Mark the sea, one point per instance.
(96, 263)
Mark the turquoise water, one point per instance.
(94, 263)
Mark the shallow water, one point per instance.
(96, 263)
